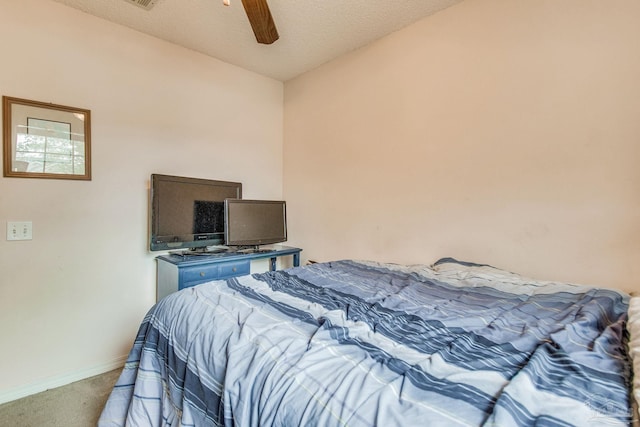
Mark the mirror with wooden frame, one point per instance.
(43, 140)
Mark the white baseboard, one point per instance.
(60, 380)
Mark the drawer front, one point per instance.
(199, 274)
(191, 276)
(231, 269)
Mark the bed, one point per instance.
(356, 343)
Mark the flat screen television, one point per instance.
(188, 213)
(255, 222)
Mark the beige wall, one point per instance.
(72, 298)
(496, 131)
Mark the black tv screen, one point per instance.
(188, 213)
(255, 222)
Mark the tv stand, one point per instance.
(253, 250)
(201, 251)
(182, 270)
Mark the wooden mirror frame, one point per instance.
(75, 148)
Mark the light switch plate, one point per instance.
(19, 230)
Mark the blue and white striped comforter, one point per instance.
(366, 344)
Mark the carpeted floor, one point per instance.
(74, 405)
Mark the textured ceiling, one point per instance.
(311, 31)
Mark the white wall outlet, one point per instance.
(19, 230)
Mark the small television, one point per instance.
(254, 222)
(188, 213)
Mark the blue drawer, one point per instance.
(199, 274)
(196, 274)
(231, 269)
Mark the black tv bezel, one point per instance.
(253, 242)
(189, 241)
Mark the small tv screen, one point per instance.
(188, 213)
(255, 222)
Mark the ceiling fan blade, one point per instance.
(261, 20)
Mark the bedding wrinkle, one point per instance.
(363, 344)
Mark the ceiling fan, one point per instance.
(257, 11)
(260, 19)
